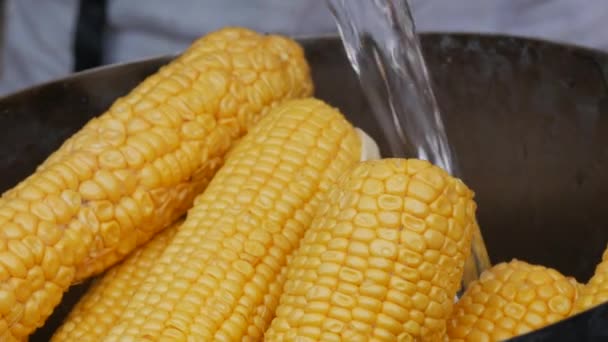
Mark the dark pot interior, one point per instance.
(528, 121)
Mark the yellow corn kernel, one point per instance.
(136, 168)
(595, 292)
(511, 299)
(220, 277)
(407, 268)
(97, 311)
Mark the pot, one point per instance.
(528, 121)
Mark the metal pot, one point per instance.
(528, 121)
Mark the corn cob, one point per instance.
(511, 299)
(383, 258)
(219, 279)
(103, 303)
(595, 292)
(137, 168)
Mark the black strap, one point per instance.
(88, 40)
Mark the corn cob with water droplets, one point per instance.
(511, 299)
(383, 257)
(97, 311)
(136, 168)
(595, 292)
(220, 277)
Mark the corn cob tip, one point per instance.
(369, 147)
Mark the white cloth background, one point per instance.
(37, 46)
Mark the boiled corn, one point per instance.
(105, 301)
(511, 299)
(220, 277)
(595, 292)
(97, 311)
(136, 168)
(383, 258)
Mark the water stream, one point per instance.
(382, 46)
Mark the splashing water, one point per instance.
(382, 46)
